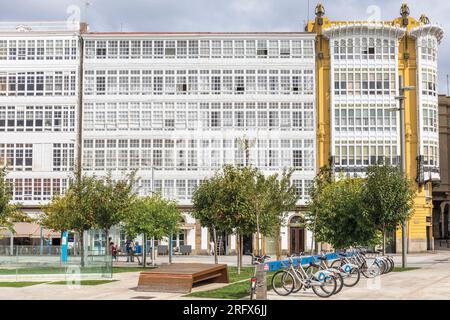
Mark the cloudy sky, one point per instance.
(225, 15)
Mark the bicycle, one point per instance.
(256, 260)
(323, 282)
(367, 268)
(358, 256)
(387, 262)
(348, 273)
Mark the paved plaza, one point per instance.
(431, 281)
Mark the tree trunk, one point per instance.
(170, 249)
(258, 235)
(144, 250)
(153, 252)
(82, 248)
(384, 241)
(216, 260)
(277, 244)
(241, 253)
(107, 251)
(314, 246)
(238, 251)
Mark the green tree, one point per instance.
(113, 202)
(152, 216)
(238, 212)
(271, 198)
(322, 179)
(337, 213)
(242, 200)
(9, 213)
(74, 209)
(208, 208)
(388, 198)
(279, 198)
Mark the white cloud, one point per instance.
(225, 15)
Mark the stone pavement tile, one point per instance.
(432, 281)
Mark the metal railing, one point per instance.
(35, 250)
(36, 263)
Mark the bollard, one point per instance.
(261, 283)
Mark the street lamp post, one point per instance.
(401, 98)
(153, 238)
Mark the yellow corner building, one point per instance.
(358, 65)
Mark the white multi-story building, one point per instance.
(428, 37)
(39, 65)
(364, 75)
(177, 106)
(173, 106)
(367, 64)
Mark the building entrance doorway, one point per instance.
(247, 244)
(297, 240)
(296, 235)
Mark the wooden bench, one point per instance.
(180, 277)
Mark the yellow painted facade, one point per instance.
(407, 66)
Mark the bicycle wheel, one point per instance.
(327, 287)
(310, 270)
(391, 264)
(370, 271)
(339, 280)
(298, 284)
(283, 282)
(337, 263)
(382, 264)
(352, 277)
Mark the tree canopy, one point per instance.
(153, 216)
(388, 198)
(112, 201)
(74, 209)
(244, 201)
(9, 213)
(336, 212)
(347, 212)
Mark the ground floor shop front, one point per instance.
(192, 238)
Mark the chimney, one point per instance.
(84, 27)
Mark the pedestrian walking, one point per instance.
(113, 249)
(137, 251)
(211, 248)
(128, 250)
(132, 250)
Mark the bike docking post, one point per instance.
(261, 282)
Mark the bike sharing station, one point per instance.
(325, 274)
(324, 278)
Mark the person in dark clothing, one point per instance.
(113, 249)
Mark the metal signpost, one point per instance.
(401, 98)
(170, 248)
(64, 245)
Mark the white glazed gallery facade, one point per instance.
(173, 106)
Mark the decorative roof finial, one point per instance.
(404, 11)
(424, 19)
(320, 10)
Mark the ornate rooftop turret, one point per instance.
(320, 10)
(424, 19)
(404, 11)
